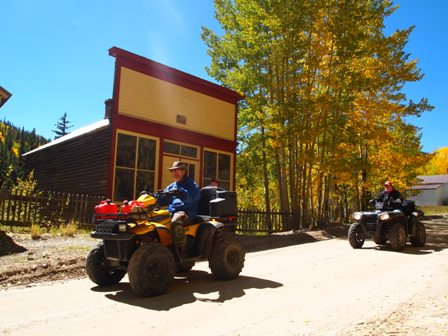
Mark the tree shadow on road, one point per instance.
(189, 288)
(285, 239)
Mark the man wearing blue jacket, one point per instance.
(184, 205)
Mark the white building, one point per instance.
(431, 190)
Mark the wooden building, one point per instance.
(157, 115)
(431, 190)
(4, 96)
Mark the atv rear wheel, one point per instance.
(226, 258)
(356, 236)
(99, 271)
(397, 236)
(418, 239)
(151, 269)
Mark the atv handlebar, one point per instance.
(171, 192)
(161, 193)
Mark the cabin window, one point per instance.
(135, 166)
(217, 165)
(180, 150)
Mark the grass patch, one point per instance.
(15, 229)
(77, 248)
(35, 231)
(434, 210)
(68, 230)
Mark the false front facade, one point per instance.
(157, 115)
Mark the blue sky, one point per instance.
(54, 54)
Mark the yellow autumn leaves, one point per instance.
(323, 123)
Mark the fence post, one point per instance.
(3, 198)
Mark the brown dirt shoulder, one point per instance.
(25, 262)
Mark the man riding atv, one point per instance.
(389, 195)
(393, 220)
(152, 244)
(183, 206)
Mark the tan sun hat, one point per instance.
(178, 165)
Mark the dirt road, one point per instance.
(322, 288)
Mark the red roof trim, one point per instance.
(166, 73)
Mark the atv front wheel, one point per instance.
(356, 236)
(98, 269)
(418, 239)
(397, 236)
(151, 269)
(226, 258)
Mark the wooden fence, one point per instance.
(49, 209)
(254, 221)
(19, 208)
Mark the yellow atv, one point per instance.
(141, 243)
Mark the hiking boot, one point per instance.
(180, 239)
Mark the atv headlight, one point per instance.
(122, 227)
(384, 216)
(357, 216)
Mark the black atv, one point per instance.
(390, 221)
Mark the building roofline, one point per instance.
(172, 75)
(432, 179)
(4, 95)
(96, 126)
(429, 186)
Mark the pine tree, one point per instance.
(13, 143)
(62, 126)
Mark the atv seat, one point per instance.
(200, 218)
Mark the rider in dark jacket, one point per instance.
(389, 195)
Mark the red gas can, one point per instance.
(126, 207)
(106, 210)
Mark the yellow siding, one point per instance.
(145, 97)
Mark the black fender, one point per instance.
(205, 235)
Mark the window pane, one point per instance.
(209, 164)
(189, 151)
(145, 181)
(126, 150)
(124, 184)
(224, 185)
(191, 169)
(146, 154)
(172, 148)
(224, 167)
(206, 182)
